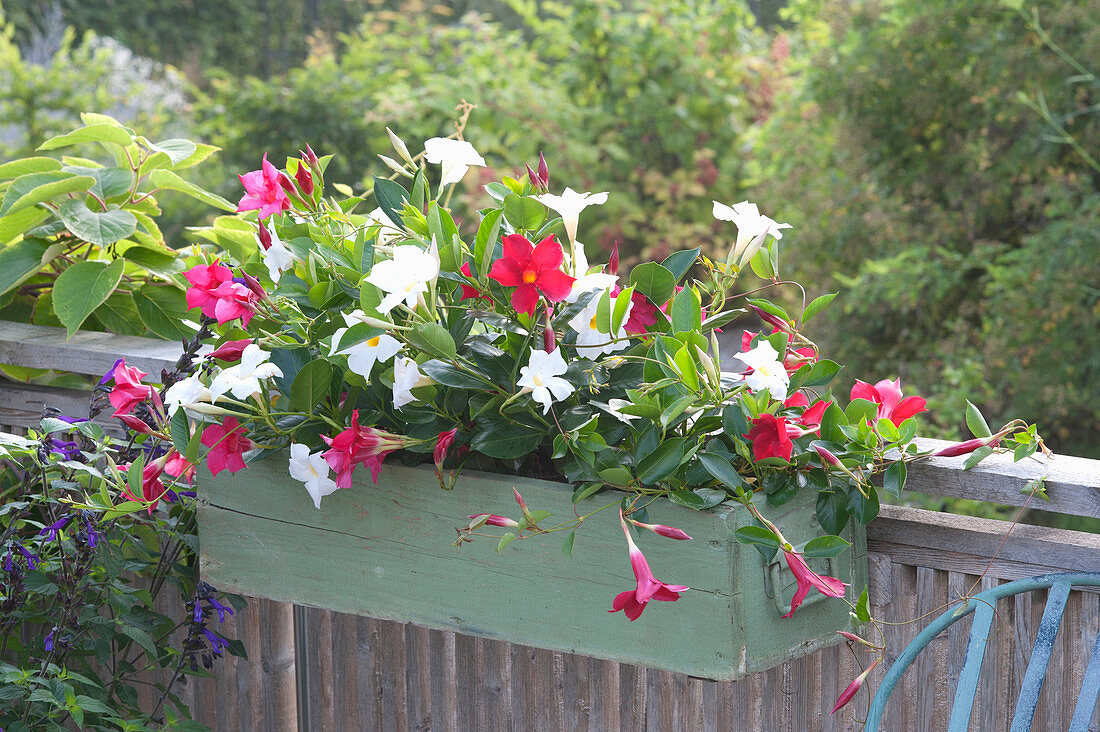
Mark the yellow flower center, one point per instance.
(592, 323)
(373, 342)
(537, 379)
(530, 275)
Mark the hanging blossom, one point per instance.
(152, 487)
(808, 579)
(455, 157)
(887, 395)
(128, 391)
(406, 377)
(633, 602)
(227, 443)
(542, 376)
(243, 380)
(276, 256)
(531, 269)
(591, 341)
(214, 291)
(359, 445)
(263, 191)
(569, 206)
(312, 470)
(404, 278)
(753, 229)
(768, 373)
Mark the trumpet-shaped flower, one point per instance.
(186, 393)
(633, 602)
(406, 376)
(569, 206)
(753, 229)
(807, 579)
(770, 438)
(405, 277)
(214, 291)
(128, 391)
(152, 488)
(542, 375)
(455, 157)
(243, 380)
(887, 395)
(768, 373)
(591, 342)
(227, 443)
(531, 270)
(263, 191)
(359, 445)
(277, 257)
(312, 470)
(494, 520)
(363, 356)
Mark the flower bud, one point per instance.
(967, 447)
(135, 424)
(265, 237)
(254, 285)
(613, 261)
(399, 146)
(309, 156)
(549, 337)
(827, 456)
(667, 531)
(305, 179)
(230, 351)
(544, 172)
(287, 184)
(775, 320)
(495, 520)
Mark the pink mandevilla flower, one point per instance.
(218, 295)
(887, 395)
(633, 602)
(128, 391)
(263, 191)
(180, 467)
(359, 445)
(152, 489)
(770, 438)
(227, 443)
(807, 579)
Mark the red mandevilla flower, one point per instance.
(811, 416)
(769, 438)
(469, 292)
(128, 391)
(633, 602)
(214, 291)
(359, 445)
(305, 179)
(263, 191)
(887, 395)
(152, 489)
(532, 270)
(227, 443)
(807, 579)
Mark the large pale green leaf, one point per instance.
(98, 227)
(109, 182)
(163, 309)
(82, 288)
(30, 190)
(177, 149)
(523, 212)
(26, 166)
(21, 260)
(20, 222)
(119, 315)
(168, 180)
(101, 132)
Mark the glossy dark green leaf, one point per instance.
(311, 385)
(678, 263)
(655, 281)
(391, 197)
(825, 546)
(757, 535)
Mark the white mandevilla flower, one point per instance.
(569, 206)
(243, 380)
(753, 228)
(363, 356)
(277, 257)
(405, 277)
(387, 231)
(542, 375)
(768, 371)
(591, 342)
(406, 376)
(185, 393)
(355, 317)
(311, 470)
(456, 157)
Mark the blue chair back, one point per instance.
(983, 605)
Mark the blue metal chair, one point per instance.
(982, 605)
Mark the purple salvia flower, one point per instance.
(110, 374)
(89, 528)
(217, 643)
(220, 609)
(9, 563)
(73, 420)
(49, 640)
(31, 558)
(55, 527)
(68, 450)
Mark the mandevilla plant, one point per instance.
(344, 335)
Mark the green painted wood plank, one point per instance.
(384, 551)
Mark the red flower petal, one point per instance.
(525, 298)
(555, 284)
(547, 254)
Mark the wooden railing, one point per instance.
(309, 668)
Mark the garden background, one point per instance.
(937, 159)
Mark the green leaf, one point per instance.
(170, 181)
(616, 476)
(447, 375)
(757, 535)
(977, 456)
(831, 421)
(523, 212)
(734, 423)
(825, 546)
(822, 373)
(975, 422)
(391, 197)
(180, 431)
(82, 288)
(109, 182)
(863, 607)
(99, 228)
(685, 364)
(119, 315)
(585, 491)
(505, 440)
(163, 309)
(662, 462)
(26, 166)
(832, 513)
(859, 411)
(434, 339)
(686, 311)
(33, 189)
(688, 499)
(20, 222)
(678, 263)
(893, 481)
(140, 637)
(567, 545)
(488, 233)
(817, 306)
(721, 470)
(92, 133)
(177, 149)
(22, 260)
(505, 540)
(863, 508)
(311, 385)
(655, 281)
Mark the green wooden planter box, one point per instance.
(385, 551)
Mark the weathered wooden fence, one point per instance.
(312, 669)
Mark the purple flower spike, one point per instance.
(55, 527)
(32, 559)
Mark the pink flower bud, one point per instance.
(495, 520)
(549, 337)
(521, 502)
(667, 531)
(231, 351)
(532, 176)
(135, 424)
(309, 156)
(967, 447)
(287, 184)
(544, 172)
(771, 319)
(265, 237)
(255, 287)
(848, 693)
(305, 179)
(613, 261)
(827, 456)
